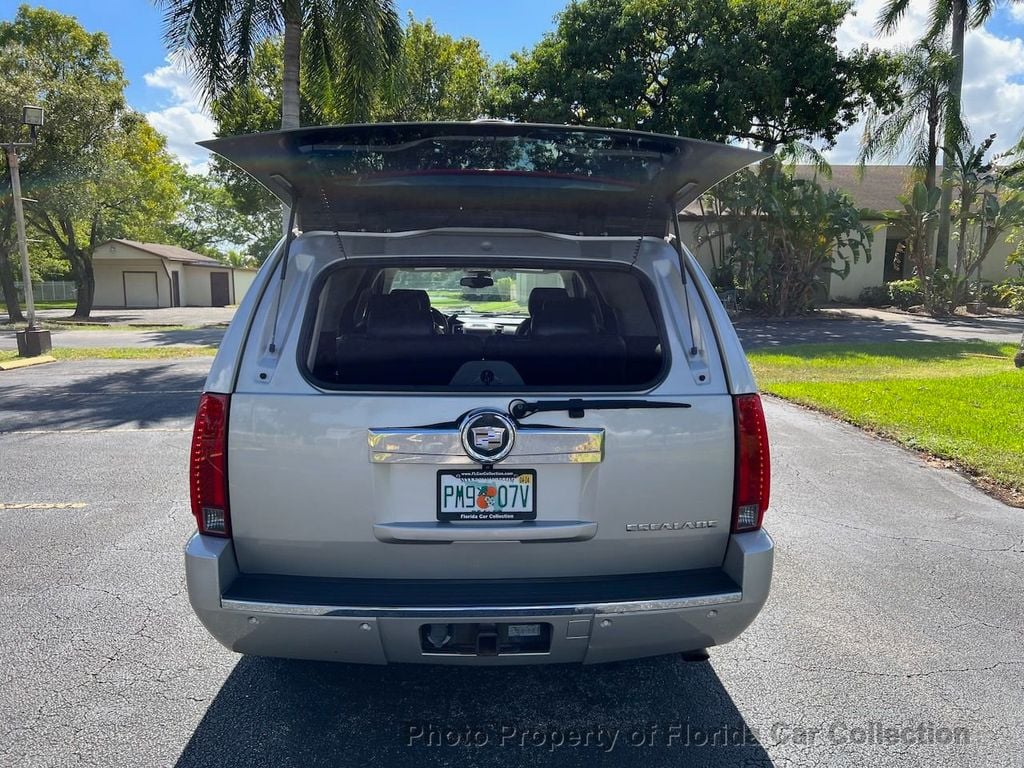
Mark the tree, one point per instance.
(913, 130)
(210, 223)
(48, 59)
(435, 77)
(765, 72)
(345, 47)
(952, 17)
(130, 192)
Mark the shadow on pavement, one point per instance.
(105, 395)
(272, 712)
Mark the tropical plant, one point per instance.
(920, 209)
(989, 204)
(913, 130)
(345, 47)
(785, 234)
(952, 17)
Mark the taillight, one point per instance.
(753, 465)
(208, 466)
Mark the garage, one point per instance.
(140, 289)
(150, 275)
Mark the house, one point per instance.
(133, 274)
(876, 189)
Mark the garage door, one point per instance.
(140, 289)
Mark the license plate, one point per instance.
(487, 494)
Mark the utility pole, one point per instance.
(33, 341)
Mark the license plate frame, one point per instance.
(491, 514)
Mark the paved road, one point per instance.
(122, 338)
(898, 601)
(856, 326)
(867, 325)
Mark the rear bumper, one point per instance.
(591, 622)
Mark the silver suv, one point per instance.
(480, 406)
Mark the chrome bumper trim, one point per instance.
(632, 606)
(533, 445)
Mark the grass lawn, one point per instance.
(962, 401)
(446, 301)
(121, 353)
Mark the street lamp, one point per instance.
(32, 341)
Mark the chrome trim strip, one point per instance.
(631, 606)
(446, 533)
(541, 445)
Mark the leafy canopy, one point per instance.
(759, 70)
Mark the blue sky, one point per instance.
(994, 82)
(134, 29)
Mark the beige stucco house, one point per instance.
(140, 275)
(875, 190)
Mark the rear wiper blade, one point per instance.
(520, 409)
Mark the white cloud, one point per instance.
(184, 120)
(1017, 12)
(859, 27)
(183, 127)
(993, 95)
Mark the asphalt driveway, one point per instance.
(849, 325)
(897, 604)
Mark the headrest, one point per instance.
(389, 315)
(565, 317)
(539, 295)
(420, 297)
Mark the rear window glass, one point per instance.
(458, 327)
(592, 159)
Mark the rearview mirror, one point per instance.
(476, 281)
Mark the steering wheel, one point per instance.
(440, 320)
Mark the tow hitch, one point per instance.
(485, 639)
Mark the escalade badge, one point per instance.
(678, 525)
(487, 436)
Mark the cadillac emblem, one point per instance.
(487, 436)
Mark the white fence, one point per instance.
(49, 290)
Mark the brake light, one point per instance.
(208, 466)
(753, 464)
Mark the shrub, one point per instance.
(503, 287)
(874, 296)
(905, 293)
(1010, 293)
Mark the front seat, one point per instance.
(401, 346)
(536, 304)
(564, 348)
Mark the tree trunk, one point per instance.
(290, 84)
(959, 24)
(1018, 359)
(930, 179)
(86, 279)
(10, 292)
(292, 51)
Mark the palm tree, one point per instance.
(913, 131)
(956, 16)
(344, 46)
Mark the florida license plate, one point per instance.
(487, 494)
